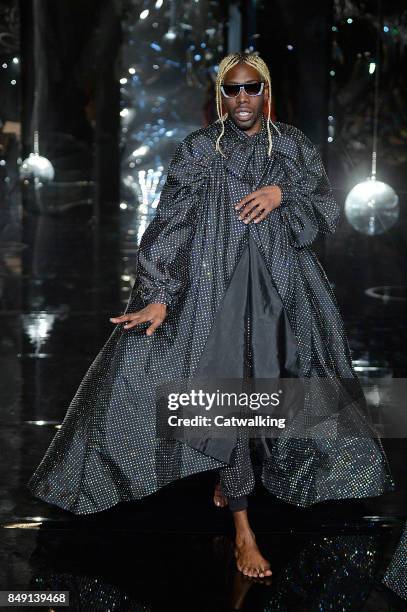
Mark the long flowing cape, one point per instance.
(107, 449)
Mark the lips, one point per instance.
(243, 113)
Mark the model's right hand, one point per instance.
(155, 313)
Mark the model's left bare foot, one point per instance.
(219, 499)
(249, 559)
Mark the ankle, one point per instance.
(244, 536)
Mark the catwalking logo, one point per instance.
(221, 421)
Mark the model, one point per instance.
(227, 285)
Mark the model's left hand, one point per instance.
(259, 203)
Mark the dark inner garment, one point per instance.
(251, 338)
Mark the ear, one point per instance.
(266, 91)
(265, 100)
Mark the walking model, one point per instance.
(227, 285)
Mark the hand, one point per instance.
(153, 312)
(259, 203)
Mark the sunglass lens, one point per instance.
(253, 89)
(231, 90)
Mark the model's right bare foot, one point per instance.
(249, 559)
(219, 499)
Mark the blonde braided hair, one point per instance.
(228, 62)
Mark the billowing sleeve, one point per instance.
(162, 256)
(308, 205)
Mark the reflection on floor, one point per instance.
(174, 550)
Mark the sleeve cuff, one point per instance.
(157, 295)
(287, 194)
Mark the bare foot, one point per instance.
(219, 499)
(249, 559)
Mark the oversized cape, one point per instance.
(107, 449)
(395, 576)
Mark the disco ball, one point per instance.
(372, 207)
(37, 167)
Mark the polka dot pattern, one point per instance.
(395, 576)
(107, 449)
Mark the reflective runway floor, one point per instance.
(59, 286)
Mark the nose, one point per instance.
(242, 96)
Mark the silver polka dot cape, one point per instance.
(107, 450)
(395, 576)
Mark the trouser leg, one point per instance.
(238, 503)
(237, 479)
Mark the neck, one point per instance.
(254, 129)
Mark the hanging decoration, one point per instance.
(372, 206)
(36, 167)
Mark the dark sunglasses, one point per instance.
(252, 89)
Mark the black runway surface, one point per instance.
(172, 550)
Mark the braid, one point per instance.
(226, 64)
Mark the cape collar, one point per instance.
(241, 147)
(233, 131)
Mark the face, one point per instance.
(253, 105)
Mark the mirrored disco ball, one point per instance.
(372, 207)
(37, 167)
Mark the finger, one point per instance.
(248, 208)
(241, 203)
(247, 198)
(132, 323)
(136, 319)
(261, 211)
(262, 216)
(156, 323)
(254, 212)
(121, 318)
